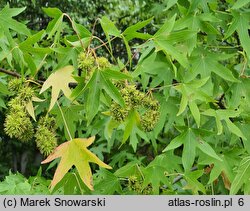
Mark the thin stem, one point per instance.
(77, 34)
(174, 174)
(104, 43)
(212, 188)
(34, 82)
(78, 183)
(64, 120)
(140, 171)
(12, 73)
(92, 33)
(244, 64)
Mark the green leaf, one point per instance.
(176, 37)
(230, 159)
(6, 21)
(170, 3)
(100, 80)
(109, 27)
(113, 74)
(3, 89)
(111, 90)
(223, 114)
(65, 56)
(175, 143)
(193, 183)
(130, 124)
(55, 26)
(207, 149)
(93, 98)
(52, 12)
(234, 129)
(131, 32)
(240, 3)
(72, 114)
(240, 24)
(131, 168)
(107, 183)
(155, 176)
(128, 49)
(167, 27)
(29, 46)
(188, 154)
(188, 139)
(184, 101)
(172, 51)
(195, 112)
(203, 63)
(221, 71)
(242, 176)
(81, 30)
(2, 103)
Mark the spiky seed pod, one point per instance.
(118, 113)
(26, 93)
(45, 140)
(15, 84)
(136, 185)
(135, 99)
(85, 61)
(16, 104)
(45, 135)
(120, 84)
(18, 125)
(48, 122)
(102, 62)
(149, 120)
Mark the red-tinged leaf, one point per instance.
(75, 153)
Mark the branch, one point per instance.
(178, 178)
(17, 75)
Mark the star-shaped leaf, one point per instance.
(75, 153)
(59, 80)
(7, 22)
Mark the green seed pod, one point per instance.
(147, 107)
(85, 61)
(26, 93)
(118, 113)
(15, 84)
(102, 62)
(45, 140)
(48, 122)
(149, 120)
(18, 125)
(16, 104)
(120, 84)
(45, 135)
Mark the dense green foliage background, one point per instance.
(191, 56)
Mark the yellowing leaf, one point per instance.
(59, 80)
(30, 109)
(75, 153)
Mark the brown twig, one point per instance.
(9, 72)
